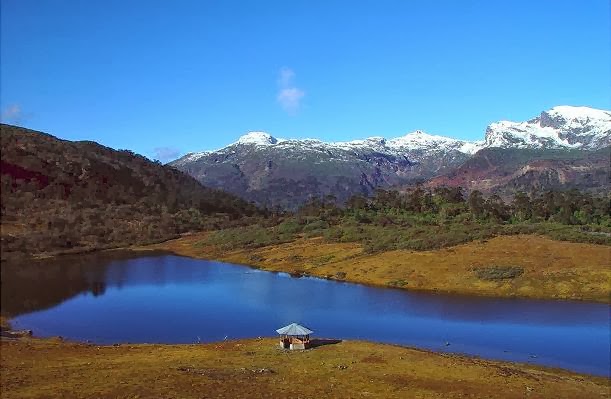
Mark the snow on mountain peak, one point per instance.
(419, 136)
(419, 140)
(560, 127)
(257, 138)
(569, 112)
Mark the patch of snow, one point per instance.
(569, 112)
(471, 147)
(560, 127)
(372, 143)
(420, 140)
(191, 157)
(258, 138)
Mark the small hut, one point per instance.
(294, 336)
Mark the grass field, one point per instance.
(543, 268)
(256, 368)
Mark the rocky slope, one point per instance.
(283, 172)
(504, 171)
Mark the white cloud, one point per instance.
(166, 154)
(12, 114)
(290, 99)
(289, 96)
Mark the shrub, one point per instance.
(316, 225)
(245, 237)
(498, 273)
(289, 226)
(333, 234)
(351, 234)
(381, 242)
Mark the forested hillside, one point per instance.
(424, 218)
(62, 196)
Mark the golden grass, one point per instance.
(255, 368)
(552, 269)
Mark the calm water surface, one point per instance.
(171, 299)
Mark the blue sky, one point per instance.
(169, 77)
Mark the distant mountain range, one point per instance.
(286, 172)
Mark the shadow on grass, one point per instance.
(315, 343)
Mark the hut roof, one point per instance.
(294, 329)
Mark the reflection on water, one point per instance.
(162, 298)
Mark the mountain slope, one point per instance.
(60, 195)
(285, 173)
(507, 170)
(280, 172)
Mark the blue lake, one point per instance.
(161, 298)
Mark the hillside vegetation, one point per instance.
(423, 219)
(63, 196)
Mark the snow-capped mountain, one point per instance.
(560, 127)
(416, 144)
(286, 172)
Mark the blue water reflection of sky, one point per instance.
(180, 300)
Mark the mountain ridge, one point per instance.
(278, 172)
(577, 117)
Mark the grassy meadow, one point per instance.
(256, 368)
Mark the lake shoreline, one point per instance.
(93, 301)
(285, 260)
(20, 257)
(251, 366)
(187, 245)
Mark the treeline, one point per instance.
(450, 204)
(422, 219)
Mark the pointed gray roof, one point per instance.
(294, 329)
